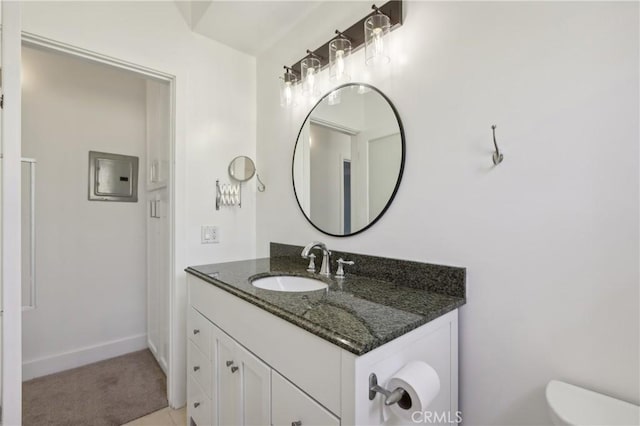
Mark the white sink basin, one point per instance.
(289, 284)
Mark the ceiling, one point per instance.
(248, 26)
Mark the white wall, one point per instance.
(90, 256)
(550, 236)
(215, 121)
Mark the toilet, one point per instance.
(573, 405)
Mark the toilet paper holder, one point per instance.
(398, 395)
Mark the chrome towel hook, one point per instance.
(497, 156)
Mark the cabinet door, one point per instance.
(229, 389)
(256, 389)
(243, 393)
(292, 406)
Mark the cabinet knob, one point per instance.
(196, 368)
(234, 369)
(229, 363)
(196, 331)
(196, 404)
(296, 423)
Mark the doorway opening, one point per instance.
(97, 270)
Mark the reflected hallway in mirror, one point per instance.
(348, 160)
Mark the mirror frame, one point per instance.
(231, 164)
(400, 172)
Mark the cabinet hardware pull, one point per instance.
(296, 423)
(196, 368)
(229, 363)
(234, 369)
(196, 331)
(196, 404)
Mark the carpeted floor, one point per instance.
(107, 393)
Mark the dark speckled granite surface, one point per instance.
(357, 313)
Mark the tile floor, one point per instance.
(165, 417)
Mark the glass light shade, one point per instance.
(376, 27)
(310, 68)
(288, 90)
(339, 52)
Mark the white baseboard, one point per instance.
(82, 356)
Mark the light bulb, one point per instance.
(288, 93)
(311, 79)
(378, 44)
(339, 64)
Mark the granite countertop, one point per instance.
(357, 313)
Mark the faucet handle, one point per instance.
(341, 262)
(312, 263)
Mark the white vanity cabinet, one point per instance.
(264, 370)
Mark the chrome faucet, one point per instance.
(325, 268)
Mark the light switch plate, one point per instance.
(209, 234)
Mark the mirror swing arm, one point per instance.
(228, 194)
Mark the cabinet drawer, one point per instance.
(199, 331)
(199, 367)
(289, 404)
(198, 404)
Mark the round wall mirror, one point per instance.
(242, 168)
(348, 160)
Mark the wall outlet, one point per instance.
(209, 234)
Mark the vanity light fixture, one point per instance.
(336, 52)
(376, 47)
(288, 87)
(310, 68)
(339, 52)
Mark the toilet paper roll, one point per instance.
(421, 384)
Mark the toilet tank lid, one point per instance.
(578, 406)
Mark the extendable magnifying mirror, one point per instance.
(242, 168)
